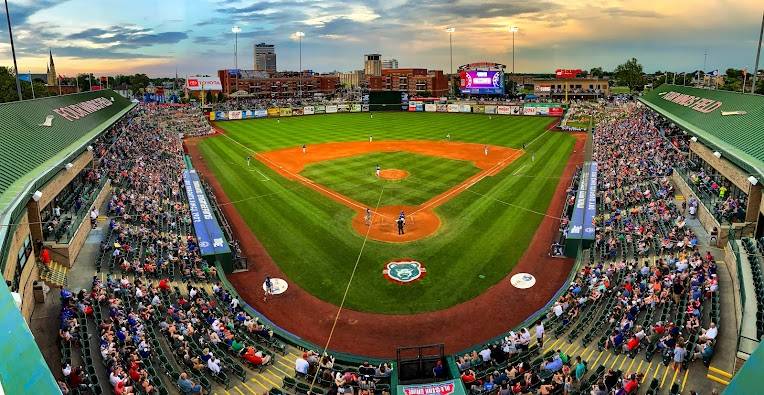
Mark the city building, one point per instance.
(52, 76)
(351, 79)
(372, 64)
(410, 80)
(571, 88)
(390, 64)
(253, 83)
(265, 57)
(57, 85)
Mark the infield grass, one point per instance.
(484, 231)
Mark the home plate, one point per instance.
(523, 280)
(278, 286)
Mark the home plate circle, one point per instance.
(278, 286)
(523, 280)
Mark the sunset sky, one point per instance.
(156, 37)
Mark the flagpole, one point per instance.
(755, 68)
(58, 78)
(31, 83)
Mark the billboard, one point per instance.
(308, 110)
(479, 82)
(441, 107)
(221, 115)
(515, 110)
(490, 109)
(429, 107)
(355, 107)
(465, 108)
(529, 110)
(235, 115)
(319, 110)
(567, 73)
(343, 108)
(203, 83)
(412, 106)
(555, 111)
(478, 109)
(453, 108)
(504, 110)
(365, 108)
(591, 203)
(273, 112)
(261, 113)
(331, 109)
(297, 111)
(285, 112)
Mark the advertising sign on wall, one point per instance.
(208, 232)
(591, 203)
(516, 110)
(490, 109)
(441, 107)
(297, 111)
(234, 115)
(331, 109)
(365, 108)
(355, 107)
(529, 110)
(206, 83)
(465, 108)
(542, 110)
(308, 110)
(556, 111)
(453, 108)
(320, 109)
(221, 115)
(285, 112)
(273, 112)
(343, 108)
(412, 106)
(429, 107)
(478, 109)
(504, 110)
(261, 113)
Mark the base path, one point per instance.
(494, 312)
(421, 221)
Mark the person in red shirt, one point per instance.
(631, 385)
(632, 343)
(468, 377)
(45, 256)
(135, 375)
(256, 357)
(163, 285)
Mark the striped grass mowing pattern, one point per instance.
(482, 236)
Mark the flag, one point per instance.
(26, 77)
(713, 73)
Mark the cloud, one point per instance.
(101, 53)
(127, 36)
(21, 11)
(622, 12)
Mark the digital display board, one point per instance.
(478, 82)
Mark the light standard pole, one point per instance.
(450, 30)
(300, 35)
(755, 67)
(235, 30)
(514, 30)
(13, 51)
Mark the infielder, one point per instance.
(304, 149)
(371, 138)
(379, 169)
(448, 137)
(367, 217)
(248, 159)
(485, 150)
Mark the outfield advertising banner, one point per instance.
(419, 106)
(365, 108)
(355, 107)
(248, 114)
(429, 107)
(320, 110)
(412, 106)
(576, 226)
(591, 203)
(285, 112)
(449, 387)
(556, 111)
(504, 110)
(331, 109)
(465, 108)
(208, 232)
(273, 112)
(542, 110)
(297, 111)
(478, 109)
(516, 110)
(232, 115)
(221, 115)
(453, 108)
(490, 109)
(441, 107)
(308, 110)
(529, 110)
(261, 113)
(343, 108)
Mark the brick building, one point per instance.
(277, 85)
(411, 80)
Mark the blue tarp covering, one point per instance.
(208, 232)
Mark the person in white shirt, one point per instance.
(214, 365)
(301, 366)
(557, 309)
(525, 339)
(192, 293)
(138, 293)
(234, 303)
(155, 301)
(710, 334)
(540, 333)
(485, 354)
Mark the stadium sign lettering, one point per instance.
(434, 389)
(80, 110)
(696, 103)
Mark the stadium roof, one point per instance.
(729, 122)
(39, 134)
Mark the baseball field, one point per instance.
(472, 202)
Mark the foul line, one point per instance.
(537, 137)
(514, 205)
(347, 288)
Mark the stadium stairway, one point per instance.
(54, 274)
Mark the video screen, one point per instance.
(477, 82)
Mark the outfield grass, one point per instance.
(484, 230)
(354, 177)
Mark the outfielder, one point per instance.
(379, 169)
(304, 149)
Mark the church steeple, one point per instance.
(52, 76)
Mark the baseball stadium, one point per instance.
(424, 233)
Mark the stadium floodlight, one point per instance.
(299, 36)
(235, 30)
(513, 30)
(450, 30)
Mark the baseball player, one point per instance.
(304, 149)
(248, 159)
(401, 222)
(485, 150)
(367, 217)
(379, 169)
(448, 137)
(371, 138)
(268, 287)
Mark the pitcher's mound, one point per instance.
(393, 174)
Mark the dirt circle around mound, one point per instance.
(393, 174)
(420, 223)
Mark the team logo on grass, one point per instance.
(404, 271)
(523, 280)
